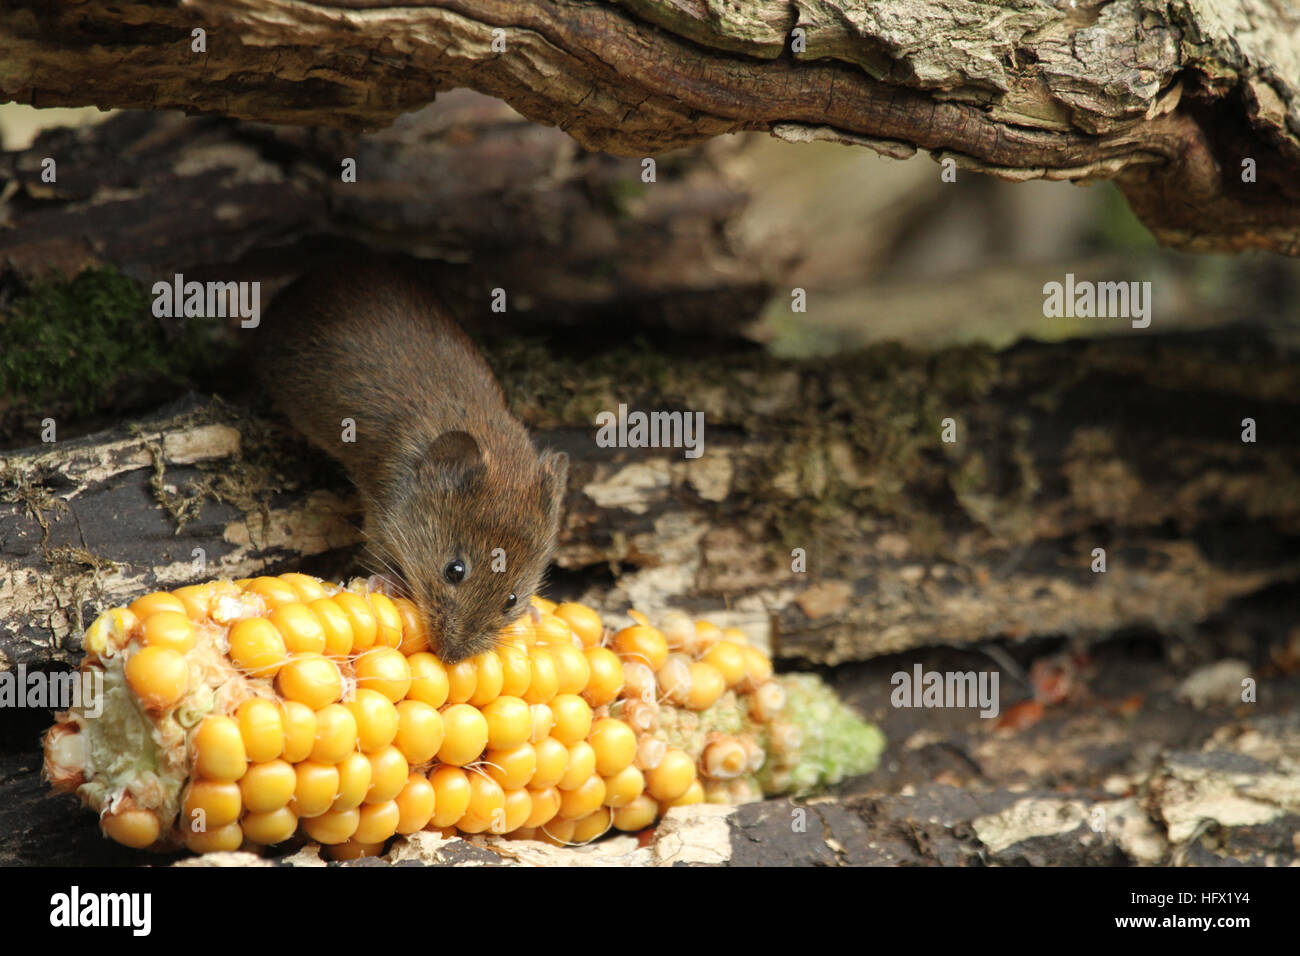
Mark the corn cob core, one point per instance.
(247, 713)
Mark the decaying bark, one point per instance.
(1131, 446)
(484, 197)
(1170, 96)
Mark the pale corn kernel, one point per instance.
(649, 753)
(724, 758)
(674, 679)
(767, 702)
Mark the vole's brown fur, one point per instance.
(447, 473)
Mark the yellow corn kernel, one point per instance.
(694, 794)
(428, 679)
(552, 761)
(509, 721)
(584, 621)
(376, 719)
(520, 631)
(315, 788)
(583, 799)
(462, 679)
(299, 730)
(637, 616)
(733, 634)
(516, 672)
(273, 591)
(545, 805)
(415, 635)
(361, 618)
(305, 587)
(384, 669)
(572, 718)
(143, 607)
(513, 768)
(672, 777)
(729, 659)
(378, 822)
(678, 630)
(543, 720)
(335, 623)
(224, 839)
(170, 629)
(571, 668)
(465, 735)
(196, 598)
(210, 804)
(388, 621)
(388, 773)
(707, 685)
(300, 629)
(310, 679)
(415, 804)
(333, 826)
(518, 808)
(336, 734)
(219, 749)
(637, 815)
(256, 647)
(649, 753)
(674, 679)
(354, 781)
(624, 787)
(489, 678)
(767, 702)
(134, 827)
(261, 726)
(554, 630)
(487, 804)
(275, 826)
(758, 669)
(546, 682)
(581, 765)
(419, 731)
(268, 786)
(644, 644)
(559, 831)
(606, 676)
(159, 676)
(706, 635)
(724, 758)
(451, 795)
(614, 743)
(542, 604)
(593, 826)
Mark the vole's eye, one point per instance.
(455, 572)
(511, 601)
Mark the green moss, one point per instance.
(833, 742)
(77, 345)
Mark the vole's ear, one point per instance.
(555, 475)
(452, 462)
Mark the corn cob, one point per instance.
(248, 713)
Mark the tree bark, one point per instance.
(1131, 446)
(1172, 97)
